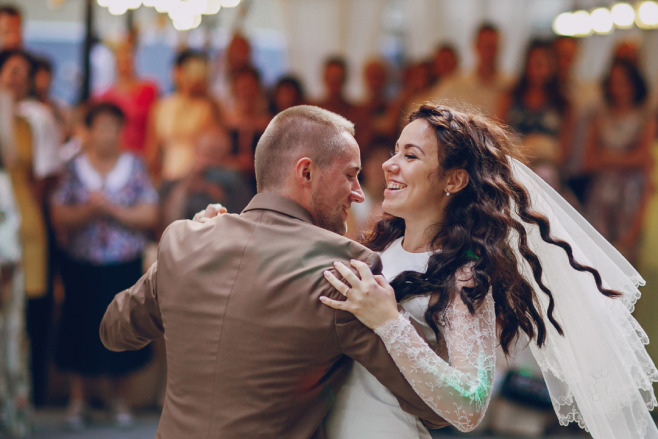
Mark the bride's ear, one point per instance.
(456, 180)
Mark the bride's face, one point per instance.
(413, 182)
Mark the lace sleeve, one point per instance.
(458, 391)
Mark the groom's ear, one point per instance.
(304, 171)
(456, 180)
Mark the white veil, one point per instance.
(599, 373)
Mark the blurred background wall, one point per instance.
(297, 35)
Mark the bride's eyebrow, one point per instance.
(414, 146)
(409, 145)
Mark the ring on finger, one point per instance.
(347, 291)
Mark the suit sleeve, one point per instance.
(133, 318)
(364, 346)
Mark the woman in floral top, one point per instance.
(102, 210)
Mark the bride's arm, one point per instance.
(460, 390)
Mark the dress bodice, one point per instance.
(364, 408)
(458, 389)
(395, 260)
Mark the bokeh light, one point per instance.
(230, 3)
(183, 22)
(213, 7)
(564, 24)
(647, 14)
(117, 7)
(623, 15)
(601, 19)
(133, 4)
(583, 23)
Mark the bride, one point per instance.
(477, 249)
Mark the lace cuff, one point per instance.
(392, 330)
(459, 391)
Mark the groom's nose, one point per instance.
(356, 194)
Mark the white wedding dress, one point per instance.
(365, 409)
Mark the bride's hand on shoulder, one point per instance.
(369, 297)
(211, 211)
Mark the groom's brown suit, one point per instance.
(251, 351)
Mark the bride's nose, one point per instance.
(390, 165)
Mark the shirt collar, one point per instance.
(279, 203)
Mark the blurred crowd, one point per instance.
(84, 190)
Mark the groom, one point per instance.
(251, 351)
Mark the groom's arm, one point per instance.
(133, 318)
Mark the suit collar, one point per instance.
(278, 203)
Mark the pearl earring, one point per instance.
(447, 194)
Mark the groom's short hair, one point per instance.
(300, 131)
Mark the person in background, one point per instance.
(33, 176)
(378, 114)
(11, 27)
(15, 408)
(40, 152)
(246, 122)
(417, 79)
(135, 97)
(627, 50)
(45, 131)
(238, 55)
(619, 156)
(566, 51)
(102, 210)
(10, 38)
(210, 181)
(287, 92)
(177, 120)
(445, 63)
(537, 109)
(43, 80)
(334, 77)
(484, 87)
(584, 97)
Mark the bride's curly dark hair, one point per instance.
(476, 228)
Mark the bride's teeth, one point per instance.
(394, 186)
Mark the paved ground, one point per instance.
(50, 426)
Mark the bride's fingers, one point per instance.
(363, 269)
(381, 280)
(348, 274)
(336, 283)
(211, 211)
(383, 283)
(335, 304)
(214, 209)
